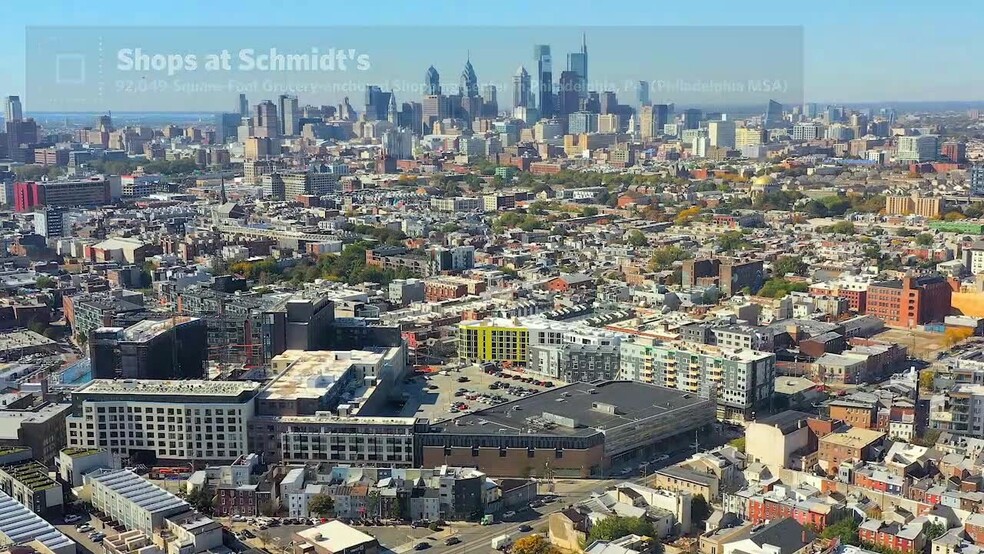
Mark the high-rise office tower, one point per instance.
(288, 115)
(521, 88)
(243, 105)
(468, 87)
(12, 110)
(652, 119)
(544, 79)
(432, 81)
(592, 103)
(691, 118)
(377, 103)
(226, 126)
(490, 101)
(721, 133)
(266, 124)
(568, 93)
(578, 63)
(773, 115)
(609, 102)
(642, 91)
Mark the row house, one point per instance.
(908, 538)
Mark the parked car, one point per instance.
(84, 528)
(525, 528)
(72, 518)
(509, 514)
(421, 546)
(451, 541)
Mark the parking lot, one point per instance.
(453, 391)
(82, 537)
(921, 344)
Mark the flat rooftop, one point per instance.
(592, 407)
(148, 329)
(334, 536)
(20, 525)
(853, 438)
(155, 387)
(313, 373)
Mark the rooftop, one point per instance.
(137, 490)
(20, 525)
(312, 373)
(853, 438)
(590, 407)
(31, 474)
(334, 536)
(153, 387)
(148, 329)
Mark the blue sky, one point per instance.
(854, 51)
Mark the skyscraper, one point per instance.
(544, 79)
(12, 110)
(266, 124)
(568, 92)
(432, 81)
(609, 102)
(377, 103)
(578, 63)
(243, 105)
(721, 133)
(652, 119)
(490, 101)
(288, 115)
(521, 88)
(468, 87)
(642, 91)
(691, 118)
(773, 115)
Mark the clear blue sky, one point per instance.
(854, 50)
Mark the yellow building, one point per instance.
(926, 206)
(747, 136)
(493, 340)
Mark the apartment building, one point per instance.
(739, 378)
(155, 421)
(910, 301)
(493, 340)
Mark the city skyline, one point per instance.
(826, 55)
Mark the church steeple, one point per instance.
(222, 190)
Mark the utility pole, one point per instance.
(696, 441)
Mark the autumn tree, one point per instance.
(533, 544)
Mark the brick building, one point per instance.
(910, 301)
(853, 444)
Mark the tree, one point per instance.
(778, 287)
(37, 326)
(846, 530)
(533, 544)
(589, 211)
(321, 504)
(637, 238)
(201, 500)
(789, 264)
(82, 338)
(738, 443)
(45, 282)
(842, 228)
(927, 380)
(699, 510)
(934, 531)
(729, 241)
(685, 216)
(663, 258)
(924, 239)
(616, 527)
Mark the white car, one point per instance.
(509, 514)
(72, 518)
(238, 518)
(84, 528)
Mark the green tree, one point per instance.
(321, 505)
(201, 500)
(738, 443)
(934, 531)
(924, 239)
(700, 510)
(45, 282)
(842, 228)
(778, 287)
(846, 530)
(729, 241)
(637, 238)
(616, 527)
(589, 211)
(789, 264)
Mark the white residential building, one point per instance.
(202, 421)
